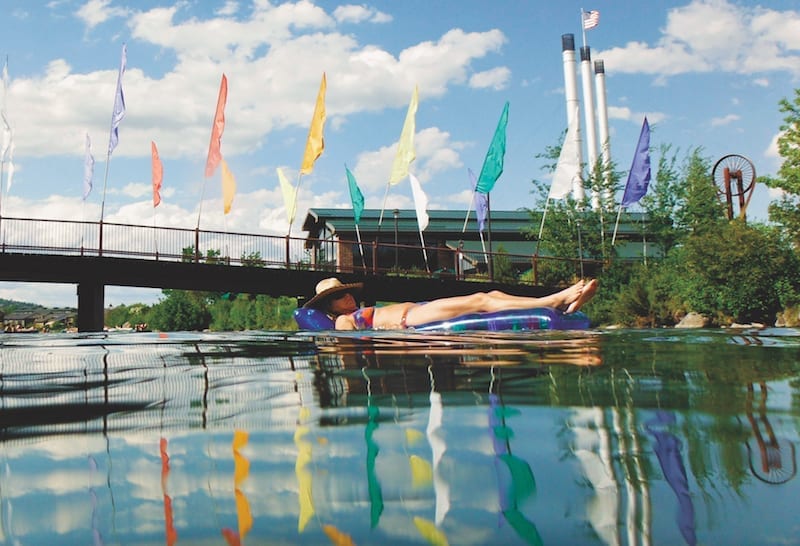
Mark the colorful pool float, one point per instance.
(540, 318)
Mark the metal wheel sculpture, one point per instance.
(734, 176)
(778, 463)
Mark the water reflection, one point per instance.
(547, 438)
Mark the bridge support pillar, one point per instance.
(91, 297)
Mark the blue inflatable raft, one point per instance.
(540, 318)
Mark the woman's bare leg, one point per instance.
(488, 302)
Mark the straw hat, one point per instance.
(327, 288)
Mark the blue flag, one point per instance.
(493, 164)
(639, 175)
(119, 103)
(355, 196)
(481, 202)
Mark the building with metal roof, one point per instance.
(452, 242)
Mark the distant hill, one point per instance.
(9, 306)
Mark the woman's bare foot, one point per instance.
(570, 294)
(587, 292)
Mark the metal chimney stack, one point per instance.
(602, 122)
(571, 93)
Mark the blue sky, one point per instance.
(706, 73)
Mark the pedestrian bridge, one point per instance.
(94, 255)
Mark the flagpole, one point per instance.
(616, 225)
(424, 250)
(2, 170)
(490, 264)
(155, 233)
(361, 248)
(383, 207)
(583, 28)
(294, 204)
(200, 206)
(105, 183)
(541, 227)
(469, 209)
(483, 246)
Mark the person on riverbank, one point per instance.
(339, 301)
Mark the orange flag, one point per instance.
(158, 174)
(214, 152)
(315, 143)
(228, 187)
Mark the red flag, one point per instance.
(214, 152)
(158, 174)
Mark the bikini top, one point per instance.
(363, 317)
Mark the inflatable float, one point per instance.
(540, 318)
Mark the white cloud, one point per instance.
(626, 114)
(96, 12)
(259, 55)
(724, 120)
(352, 13)
(496, 78)
(718, 36)
(761, 82)
(436, 153)
(772, 149)
(230, 7)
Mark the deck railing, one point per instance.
(109, 239)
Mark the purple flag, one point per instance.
(481, 202)
(119, 103)
(639, 175)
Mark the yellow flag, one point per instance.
(405, 148)
(413, 436)
(421, 472)
(429, 532)
(228, 187)
(289, 195)
(315, 143)
(303, 474)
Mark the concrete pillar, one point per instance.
(91, 297)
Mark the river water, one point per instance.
(595, 437)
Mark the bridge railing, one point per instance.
(83, 238)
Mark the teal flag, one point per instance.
(493, 164)
(355, 196)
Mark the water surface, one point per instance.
(619, 437)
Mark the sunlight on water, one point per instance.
(618, 437)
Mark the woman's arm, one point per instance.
(345, 322)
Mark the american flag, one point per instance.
(590, 19)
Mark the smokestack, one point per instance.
(602, 121)
(571, 93)
(588, 105)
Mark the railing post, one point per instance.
(535, 267)
(287, 252)
(197, 245)
(375, 256)
(100, 248)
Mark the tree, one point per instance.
(663, 200)
(735, 272)
(180, 310)
(786, 210)
(700, 209)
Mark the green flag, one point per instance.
(355, 196)
(493, 164)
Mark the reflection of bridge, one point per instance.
(96, 254)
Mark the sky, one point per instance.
(706, 73)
